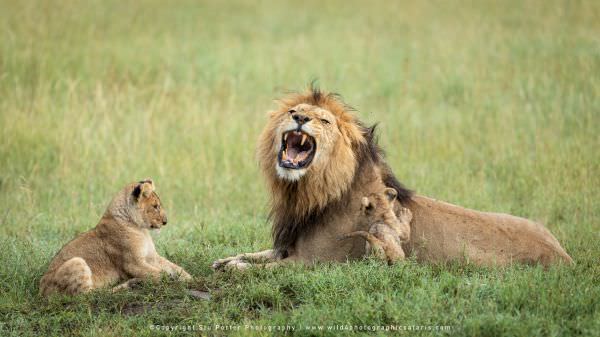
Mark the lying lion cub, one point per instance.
(120, 248)
(386, 231)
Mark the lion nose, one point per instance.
(301, 119)
(164, 221)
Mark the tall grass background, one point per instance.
(493, 105)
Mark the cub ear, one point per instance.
(144, 188)
(366, 205)
(391, 194)
(147, 180)
(137, 190)
(147, 186)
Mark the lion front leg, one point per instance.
(173, 270)
(242, 265)
(244, 260)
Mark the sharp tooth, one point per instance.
(284, 155)
(285, 137)
(303, 139)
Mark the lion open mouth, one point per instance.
(297, 150)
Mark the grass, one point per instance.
(493, 105)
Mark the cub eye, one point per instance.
(325, 121)
(157, 207)
(292, 111)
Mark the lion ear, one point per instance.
(391, 194)
(150, 182)
(366, 205)
(137, 190)
(147, 186)
(143, 188)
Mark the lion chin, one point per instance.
(290, 175)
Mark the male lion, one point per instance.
(319, 160)
(119, 248)
(386, 230)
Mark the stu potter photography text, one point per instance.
(292, 328)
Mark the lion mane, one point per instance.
(298, 206)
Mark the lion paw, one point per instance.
(184, 276)
(221, 263)
(237, 265)
(231, 263)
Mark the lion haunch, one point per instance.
(119, 248)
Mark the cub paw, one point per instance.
(405, 215)
(184, 276)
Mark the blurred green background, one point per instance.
(493, 105)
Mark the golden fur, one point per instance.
(443, 232)
(339, 137)
(312, 206)
(119, 248)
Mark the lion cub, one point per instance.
(386, 230)
(119, 248)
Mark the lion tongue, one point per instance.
(300, 157)
(292, 153)
(296, 156)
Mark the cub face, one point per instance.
(379, 207)
(149, 205)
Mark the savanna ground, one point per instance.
(490, 105)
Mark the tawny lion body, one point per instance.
(444, 232)
(119, 248)
(319, 160)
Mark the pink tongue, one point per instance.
(292, 153)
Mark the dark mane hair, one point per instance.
(374, 154)
(288, 226)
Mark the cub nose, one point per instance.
(164, 221)
(301, 119)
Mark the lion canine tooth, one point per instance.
(285, 137)
(284, 155)
(303, 139)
